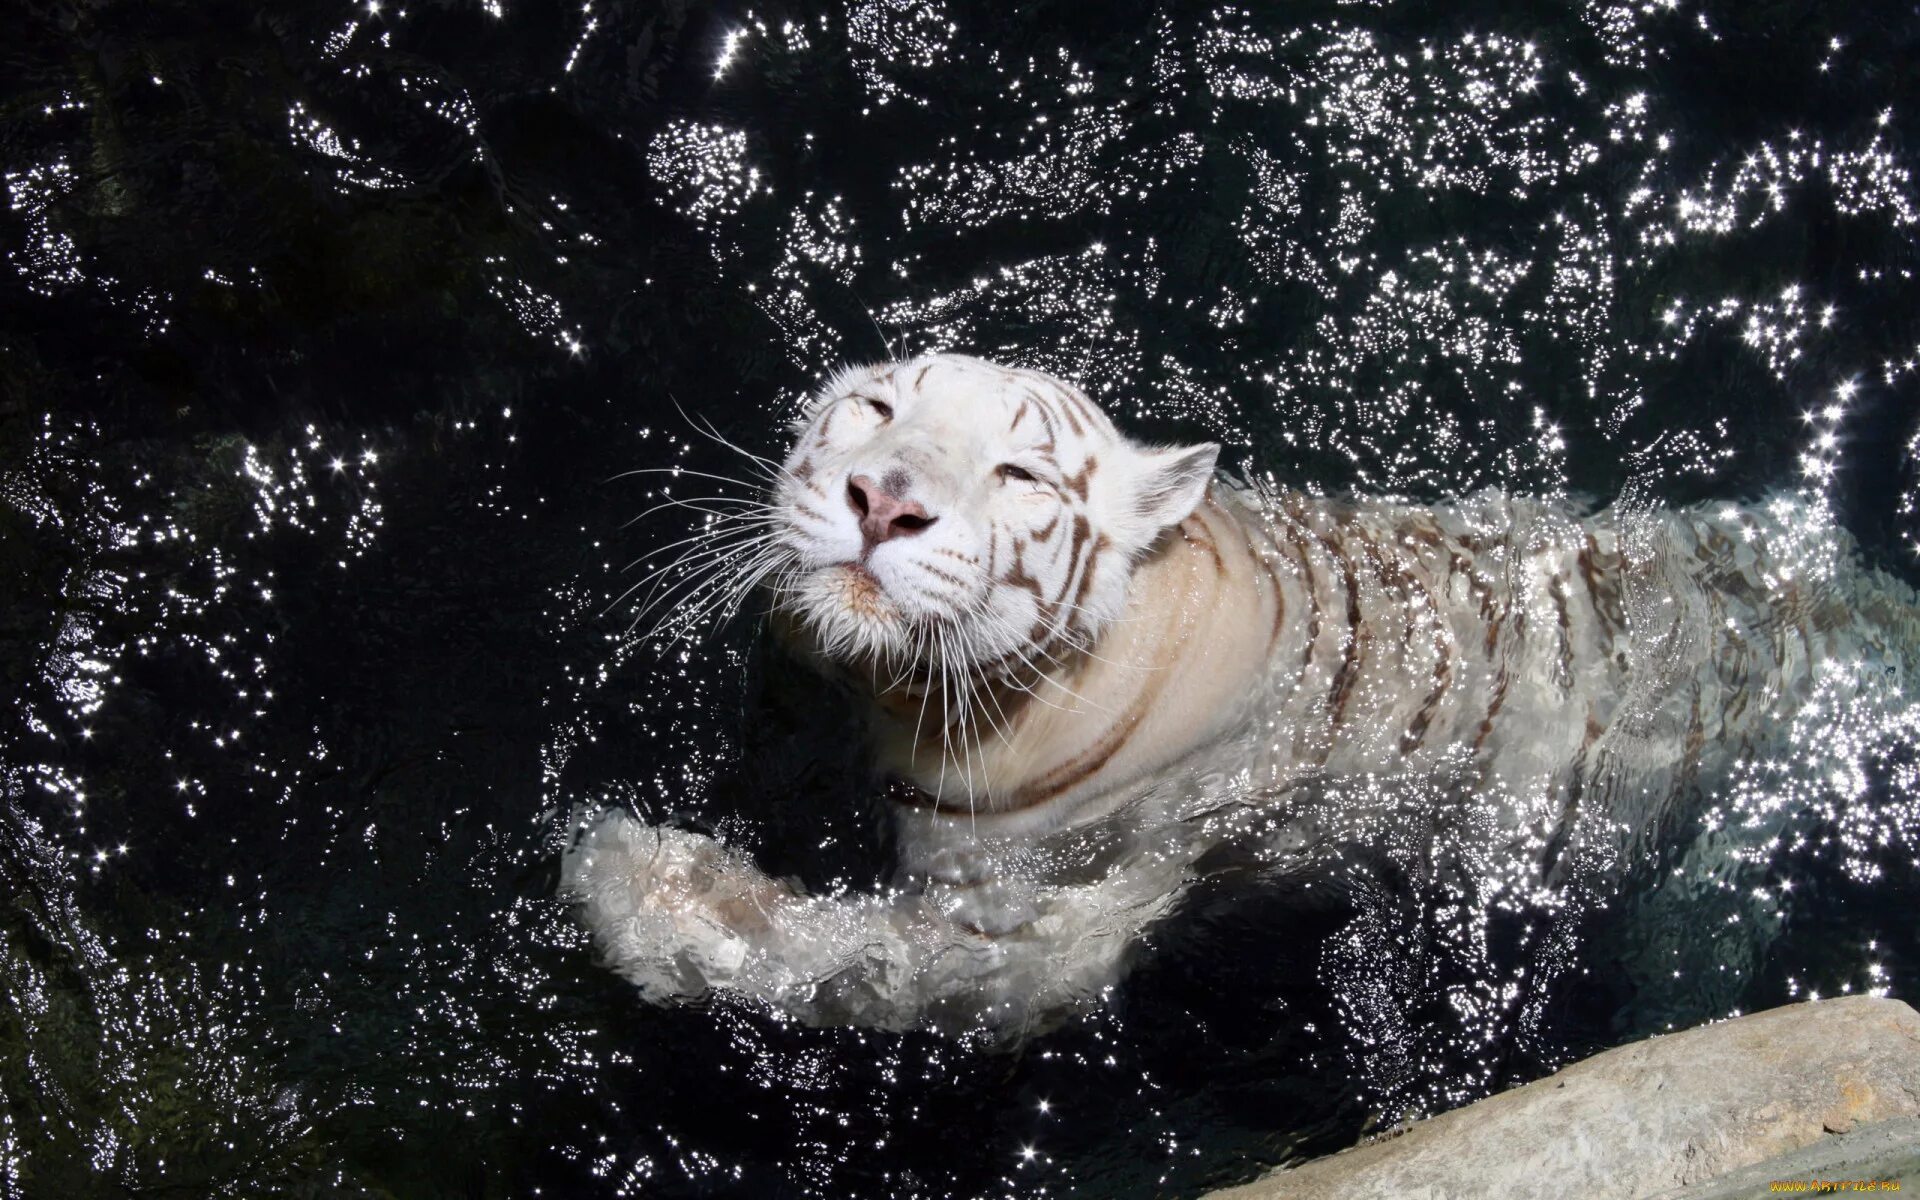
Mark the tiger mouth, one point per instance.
(856, 619)
(861, 593)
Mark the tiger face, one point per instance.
(950, 510)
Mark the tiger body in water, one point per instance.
(1090, 663)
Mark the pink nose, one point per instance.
(884, 516)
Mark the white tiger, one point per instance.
(1092, 661)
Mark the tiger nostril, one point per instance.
(857, 497)
(912, 522)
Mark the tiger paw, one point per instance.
(677, 910)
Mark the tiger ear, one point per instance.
(1170, 483)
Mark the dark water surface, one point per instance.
(327, 328)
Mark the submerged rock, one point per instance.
(1655, 1118)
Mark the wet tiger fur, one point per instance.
(1090, 662)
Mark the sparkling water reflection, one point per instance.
(325, 327)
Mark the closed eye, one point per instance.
(880, 406)
(1010, 471)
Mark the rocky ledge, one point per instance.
(1806, 1087)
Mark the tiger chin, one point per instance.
(1090, 662)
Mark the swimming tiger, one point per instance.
(1090, 661)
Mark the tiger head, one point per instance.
(950, 510)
